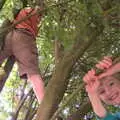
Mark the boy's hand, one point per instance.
(105, 63)
(112, 70)
(92, 82)
(92, 87)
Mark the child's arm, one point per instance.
(97, 105)
(92, 85)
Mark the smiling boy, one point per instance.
(104, 88)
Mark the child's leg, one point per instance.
(25, 52)
(38, 86)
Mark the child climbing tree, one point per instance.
(104, 87)
(20, 43)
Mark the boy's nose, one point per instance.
(108, 91)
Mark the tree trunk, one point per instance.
(8, 67)
(54, 93)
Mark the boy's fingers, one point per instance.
(89, 77)
(90, 74)
(108, 58)
(85, 79)
(103, 64)
(99, 66)
(93, 71)
(86, 88)
(106, 62)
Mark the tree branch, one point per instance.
(8, 67)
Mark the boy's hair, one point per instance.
(116, 60)
(116, 75)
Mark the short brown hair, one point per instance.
(116, 75)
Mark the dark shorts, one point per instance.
(22, 45)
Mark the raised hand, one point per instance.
(105, 63)
(91, 81)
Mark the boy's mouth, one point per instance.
(114, 96)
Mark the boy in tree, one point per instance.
(20, 43)
(104, 88)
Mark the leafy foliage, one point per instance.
(64, 21)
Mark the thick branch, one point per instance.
(58, 84)
(8, 67)
(67, 101)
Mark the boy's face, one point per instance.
(109, 91)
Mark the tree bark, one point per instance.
(54, 93)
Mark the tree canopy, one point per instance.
(73, 36)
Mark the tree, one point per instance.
(82, 32)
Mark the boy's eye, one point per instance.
(101, 92)
(111, 84)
